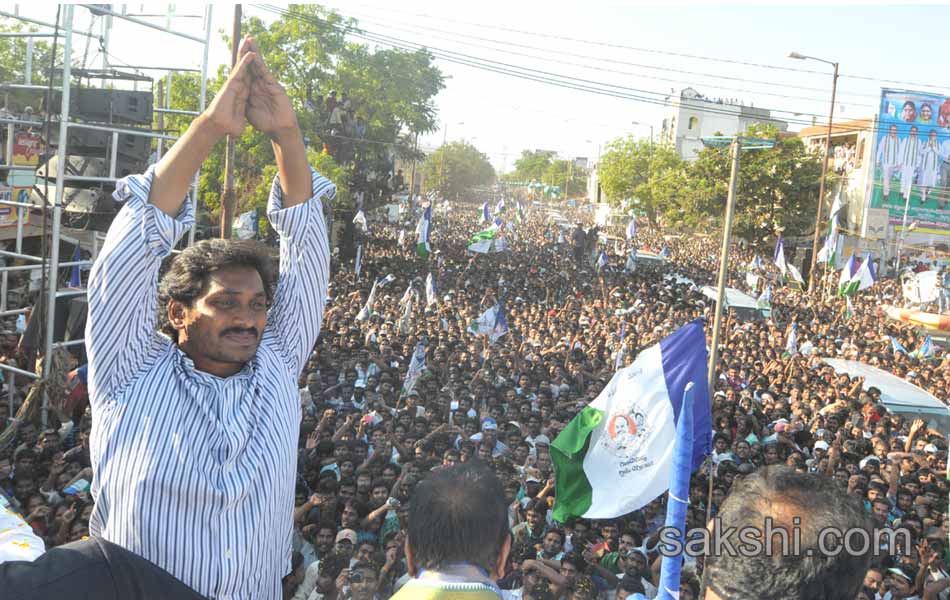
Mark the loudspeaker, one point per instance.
(89, 166)
(91, 142)
(111, 106)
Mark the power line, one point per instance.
(553, 79)
(420, 29)
(540, 76)
(653, 50)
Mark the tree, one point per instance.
(636, 169)
(776, 190)
(456, 168)
(531, 166)
(567, 176)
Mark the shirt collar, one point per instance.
(187, 366)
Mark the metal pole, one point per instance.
(28, 67)
(58, 202)
(900, 241)
(227, 197)
(724, 264)
(821, 185)
(201, 109)
(160, 121)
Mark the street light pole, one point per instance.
(824, 165)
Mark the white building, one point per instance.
(693, 116)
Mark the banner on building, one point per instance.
(911, 158)
(8, 214)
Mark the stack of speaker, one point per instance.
(89, 204)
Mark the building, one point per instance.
(692, 116)
(851, 145)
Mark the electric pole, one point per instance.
(227, 197)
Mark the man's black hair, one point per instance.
(458, 514)
(186, 278)
(782, 494)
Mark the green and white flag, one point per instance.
(616, 455)
(845, 285)
(483, 242)
(828, 251)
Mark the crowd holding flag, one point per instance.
(791, 341)
(368, 309)
(897, 346)
(634, 422)
(855, 277)
(423, 249)
(631, 229)
(828, 251)
(416, 366)
(360, 221)
(779, 258)
(491, 323)
(432, 295)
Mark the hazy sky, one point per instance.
(502, 115)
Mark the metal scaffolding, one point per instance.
(51, 262)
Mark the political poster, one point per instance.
(912, 160)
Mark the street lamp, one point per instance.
(645, 125)
(824, 164)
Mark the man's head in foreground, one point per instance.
(458, 515)
(214, 300)
(791, 500)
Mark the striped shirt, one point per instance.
(193, 472)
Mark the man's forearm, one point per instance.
(293, 168)
(176, 171)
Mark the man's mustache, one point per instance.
(237, 330)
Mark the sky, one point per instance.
(640, 48)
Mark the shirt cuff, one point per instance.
(160, 231)
(293, 220)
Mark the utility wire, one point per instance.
(942, 87)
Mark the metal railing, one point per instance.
(55, 207)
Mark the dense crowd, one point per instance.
(365, 442)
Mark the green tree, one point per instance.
(776, 189)
(531, 166)
(456, 168)
(638, 170)
(567, 176)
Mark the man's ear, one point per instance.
(410, 563)
(176, 314)
(499, 571)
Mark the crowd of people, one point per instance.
(366, 442)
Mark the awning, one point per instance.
(898, 395)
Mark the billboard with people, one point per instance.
(912, 159)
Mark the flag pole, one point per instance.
(678, 497)
(723, 264)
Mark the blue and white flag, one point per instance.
(602, 260)
(926, 349)
(432, 295)
(369, 309)
(897, 346)
(360, 221)
(666, 252)
(631, 229)
(491, 323)
(764, 301)
(616, 455)
(618, 359)
(486, 216)
(791, 342)
(358, 263)
(416, 366)
(500, 207)
(678, 498)
(422, 229)
(779, 258)
(245, 227)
